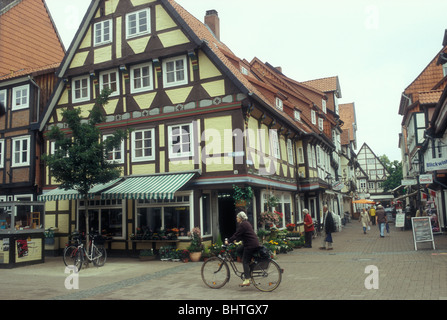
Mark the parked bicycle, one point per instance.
(76, 255)
(265, 273)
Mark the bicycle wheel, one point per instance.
(100, 256)
(215, 273)
(267, 278)
(73, 257)
(69, 253)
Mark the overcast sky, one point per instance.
(376, 48)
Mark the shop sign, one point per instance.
(433, 165)
(338, 185)
(425, 178)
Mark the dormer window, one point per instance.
(323, 106)
(313, 116)
(279, 103)
(320, 124)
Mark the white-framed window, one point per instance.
(103, 32)
(313, 116)
(117, 154)
(279, 103)
(274, 144)
(141, 78)
(290, 150)
(20, 97)
(297, 115)
(110, 79)
(138, 23)
(3, 97)
(323, 105)
(2, 153)
(319, 160)
(21, 151)
(175, 72)
(81, 89)
(371, 185)
(143, 145)
(320, 124)
(181, 140)
(300, 155)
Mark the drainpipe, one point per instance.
(38, 97)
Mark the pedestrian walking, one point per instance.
(308, 229)
(328, 227)
(364, 220)
(372, 213)
(381, 220)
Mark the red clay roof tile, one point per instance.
(28, 40)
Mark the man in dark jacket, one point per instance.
(247, 235)
(329, 227)
(381, 219)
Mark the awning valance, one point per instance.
(162, 186)
(71, 194)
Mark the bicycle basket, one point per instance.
(263, 253)
(99, 240)
(261, 264)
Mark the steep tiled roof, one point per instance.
(330, 84)
(430, 97)
(28, 40)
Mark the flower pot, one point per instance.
(195, 256)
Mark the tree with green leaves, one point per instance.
(395, 170)
(80, 160)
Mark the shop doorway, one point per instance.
(227, 215)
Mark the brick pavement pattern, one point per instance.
(310, 274)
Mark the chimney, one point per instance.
(213, 22)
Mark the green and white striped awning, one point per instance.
(162, 186)
(71, 194)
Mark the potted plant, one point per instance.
(242, 196)
(196, 246)
(147, 254)
(290, 226)
(184, 255)
(49, 237)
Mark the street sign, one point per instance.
(409, 182)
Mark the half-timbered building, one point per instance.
(191, 108)
(30, 53)
(371, 176)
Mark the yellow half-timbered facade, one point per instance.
(201, 120)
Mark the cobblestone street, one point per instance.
(310, 274)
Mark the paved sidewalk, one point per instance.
(403, 273)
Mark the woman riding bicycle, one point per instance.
(247, 235)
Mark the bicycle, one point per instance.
(265, 273)
(76, 255)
